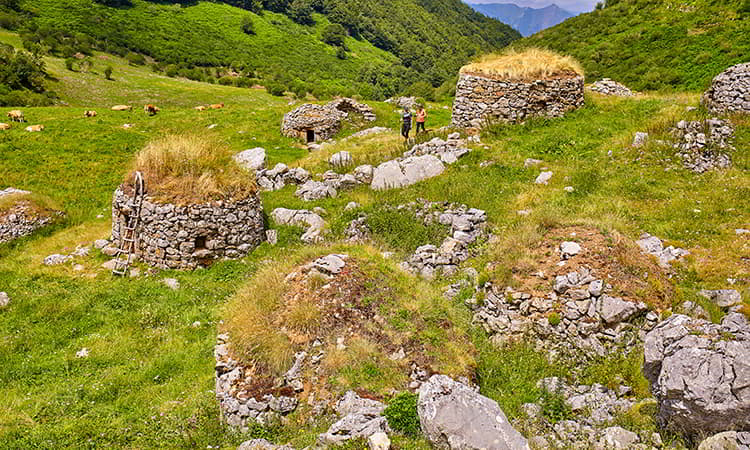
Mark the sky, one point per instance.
(571, 5)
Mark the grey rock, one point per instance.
(724, 298)
(315, 190)
(171, 283)
(100, 243)
(301, 217)
(262, 444)
(453, 416)
(544, 177)
(569, 249)
(617, 438)
(341, 159)
(56, 259)
(640, 139)
(252, 159)
(272, 236)
(530, 162)
(607, 86)
(4, 299)
(330, 264)
(728, 440)
(379, 441)
(615, 309)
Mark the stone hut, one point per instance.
(729, 91)
(314, 123)
(484, 94)
(172, 236)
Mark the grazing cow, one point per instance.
(4, 126)
(200, 108)
(33, 128)
(122, 108)
(217, 106)
(16, 116)
(151, 110)
(89, 114)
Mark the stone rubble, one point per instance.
(700, 144)
(652, 245)
(606, 86)
(544, 177)
(449, 151)
(729, 91)
(315, 190)
(360, 418)
(700, 373)
(482, 99)
(281, 175)
(301, 217)
(466, 225)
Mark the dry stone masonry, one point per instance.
(185, 237)
(480, 99)
(607, 86)
(22, 218)
(314, 123)
(700, 144)
(729, 91)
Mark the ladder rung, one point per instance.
(128, 240)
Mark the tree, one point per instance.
(70, 63)
(301, 11)
(248, 26)
(335, 34)
(108, 72)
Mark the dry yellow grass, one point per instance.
(526, 64)
(191, 169)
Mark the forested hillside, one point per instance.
(373, 48)
(655, 44)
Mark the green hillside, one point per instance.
(391, 44)
(655, 44)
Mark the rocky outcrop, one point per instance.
(397, 174)
(700, 373)
(654, 246)
(314, 123)
(281, 175)
(481, 99)
(301, 217)
(701, 145)
(607, 86)
(173, 236)
(729, 91)
(360, 418)
(728, 440)
(454, 416)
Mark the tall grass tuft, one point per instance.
(528, 64)
(191, 168)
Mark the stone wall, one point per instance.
(729, 91)
(323, 121)
(22, 217)
(186, 237)
(481, 98)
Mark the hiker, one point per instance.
(406, 127)
(421, 117)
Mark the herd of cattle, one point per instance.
(151, 110)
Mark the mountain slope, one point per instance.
(394, 43)
(654, 44)
(524, 19)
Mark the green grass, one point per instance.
(649, 45)
(146, 360)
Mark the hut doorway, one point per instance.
(310, 136)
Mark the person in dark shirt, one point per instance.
(406, 127)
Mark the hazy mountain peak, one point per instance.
(525, 19)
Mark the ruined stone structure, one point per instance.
(481, 98)
(314, 123)
(22, 217)
(185, 237)
(729, 91)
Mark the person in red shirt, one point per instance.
(421, 117)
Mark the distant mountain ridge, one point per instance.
(526, 20)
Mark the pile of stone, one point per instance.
(483, 99)
(448, 151)
(173, 236)
(358, 230)
(359, 418)
(729, 91)
(699, 144)
(700, 373)
(593, 408)
(607, 86)
(315, 190)
(466, 225)
(303, 218)
(314, 123)
(281, 175)
(22, 218)
(59, 258)
(654, 246)
(576, 320)
(334, 182)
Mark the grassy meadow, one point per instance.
(148, 379)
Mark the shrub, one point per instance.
(108, 72)
(301, 11)
(135, 59)
(341, 53)
(335, 35)
(275, 89)
(191, 168)
(402, 415)
(248, 26)
(226, 81)
(70, 63)
(554, 319)
(554, 407)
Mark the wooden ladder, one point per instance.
(129, 234)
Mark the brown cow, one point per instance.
(4, 126)
(122, 108)
(16, 116)
(151, 110)
(217, 106)
(200, 108)
(33, 128)
(89, 114)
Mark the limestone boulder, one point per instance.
(252, 159)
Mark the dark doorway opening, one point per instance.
(310, 136)
(200, 242)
